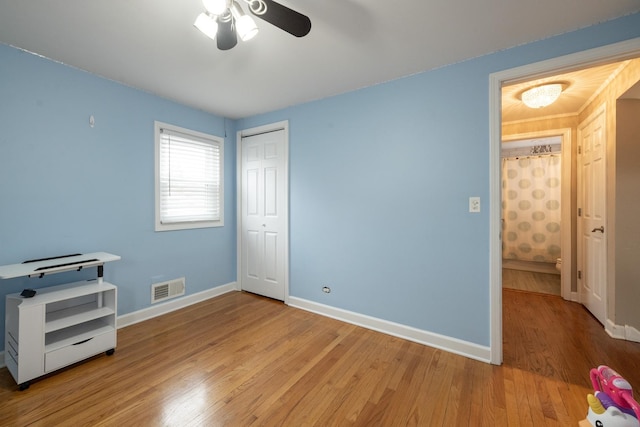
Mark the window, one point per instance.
(189, 179)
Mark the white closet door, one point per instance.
(264, 214)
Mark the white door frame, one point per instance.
(565, 201)
(283, 125)
(588, 58)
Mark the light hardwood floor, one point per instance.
(240, 360)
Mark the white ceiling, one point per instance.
(152, 44)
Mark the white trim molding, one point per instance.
(442, 342)
(173, 305)
(626, 332)
(631, 333)
(614, 331)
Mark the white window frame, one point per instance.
(184, 225)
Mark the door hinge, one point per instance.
(579, 149)
(579, 211)
(579, 274)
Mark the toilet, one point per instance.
(559, 264)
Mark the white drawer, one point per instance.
(64, 356)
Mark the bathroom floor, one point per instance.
(537, 267)
(530, 281)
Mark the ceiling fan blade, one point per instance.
(226, 35)
(284, 18)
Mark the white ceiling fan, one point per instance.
(225, 20)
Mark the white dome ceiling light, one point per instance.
(542, 95)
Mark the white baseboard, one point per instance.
(574, 296)
(626, 332)
(631, 333)
(452, 345)
(614, 331)
(173, 305)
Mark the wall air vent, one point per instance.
(167, 290)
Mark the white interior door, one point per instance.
(264, 222)
(592, 241)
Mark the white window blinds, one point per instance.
(189, 177)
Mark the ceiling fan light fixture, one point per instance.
(215, 7)
(541, 96)
(207, 25)
(226, 22)
(246, 27)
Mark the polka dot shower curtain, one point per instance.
(531, 208)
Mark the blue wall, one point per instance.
(380, 180)
(66, 187)
(379, 186)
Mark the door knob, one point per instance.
(600, 229)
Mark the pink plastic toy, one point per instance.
(608, 381)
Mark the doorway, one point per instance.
(616, 52)
(549, 213)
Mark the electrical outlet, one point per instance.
(474, 204)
